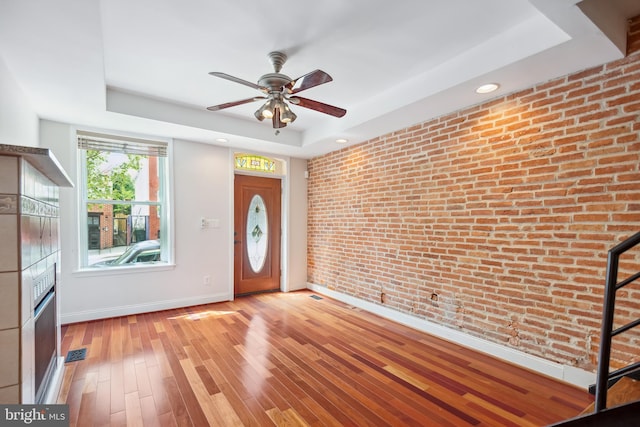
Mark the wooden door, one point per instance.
(256, 234)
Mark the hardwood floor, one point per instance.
(290, 359)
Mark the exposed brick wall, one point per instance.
(495, 220)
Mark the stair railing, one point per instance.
(607, 332)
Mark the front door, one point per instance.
(256, 234)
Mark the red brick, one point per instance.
(507, 209)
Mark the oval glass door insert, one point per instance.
(257, 233)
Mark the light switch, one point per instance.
(209, 223)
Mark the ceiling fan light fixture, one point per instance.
(258, 113)
(266, 111)
(270, 108)
(286, 115)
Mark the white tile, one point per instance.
(27, 296)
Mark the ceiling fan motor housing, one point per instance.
(274, 81)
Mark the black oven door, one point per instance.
(45, 342)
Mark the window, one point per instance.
(256, 163)
(124, 201)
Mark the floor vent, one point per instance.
(316, 297)
(75, 355)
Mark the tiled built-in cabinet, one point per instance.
(29, 264)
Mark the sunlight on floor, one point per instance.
(203, 315)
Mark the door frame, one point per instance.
(284, 216)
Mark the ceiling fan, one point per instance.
(280, 90)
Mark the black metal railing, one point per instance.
(607, 333)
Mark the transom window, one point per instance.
(256, 163)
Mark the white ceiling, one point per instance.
(142, 65)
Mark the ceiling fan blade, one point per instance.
(237, 80)
(318, 106)
(309, 80)
(234, 103)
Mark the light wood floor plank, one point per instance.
(117, 387)
(133, 410)
(102, 414)
(150, 415)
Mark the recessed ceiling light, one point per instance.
(222, 140)
(489, 87)
(342, 141)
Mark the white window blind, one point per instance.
(120, 144)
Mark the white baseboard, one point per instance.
(569, 374)
(126, 310)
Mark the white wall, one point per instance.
(18, 121)
(297, 231)
(203, 187)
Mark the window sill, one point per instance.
(110, 271)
